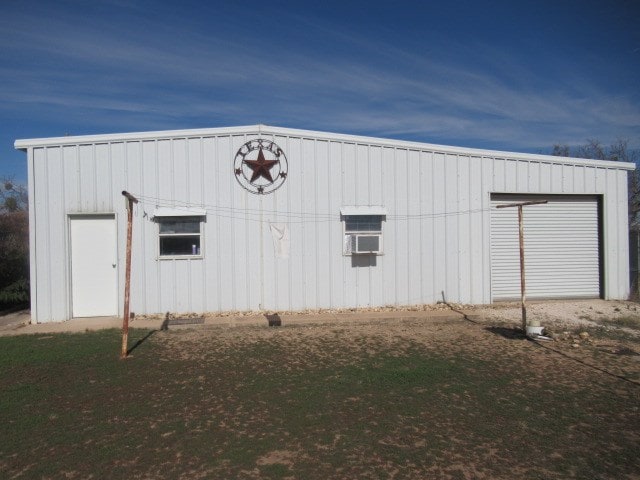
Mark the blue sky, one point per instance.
(507, 75)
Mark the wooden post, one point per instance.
(127, 283)
(523, 287)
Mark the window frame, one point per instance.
(200, 219)
(348, 251)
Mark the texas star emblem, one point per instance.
(260, 166)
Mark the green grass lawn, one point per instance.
(403, 400)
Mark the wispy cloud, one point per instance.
(157, 73)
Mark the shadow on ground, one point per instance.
(507, 332)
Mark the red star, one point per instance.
(261, 167)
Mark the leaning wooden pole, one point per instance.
(523, 286)
(127, 282)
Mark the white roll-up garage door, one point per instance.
(561, 247)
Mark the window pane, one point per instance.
(363, 223)
(180, 245)
(180, 225)
(368, 243)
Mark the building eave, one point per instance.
(23, 144)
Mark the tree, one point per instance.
(619, 152)
(13, 197)
(14, 243)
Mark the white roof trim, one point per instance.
(292, 132)
(363, 210)
(179, 212)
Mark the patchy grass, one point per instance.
(404, 399)
(624, 321)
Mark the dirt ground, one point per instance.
(562, 313)
(589, 362)
(581, 328)
(450, 396)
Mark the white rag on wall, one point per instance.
(280, 234)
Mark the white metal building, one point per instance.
(267, 218)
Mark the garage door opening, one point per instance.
(563, 247)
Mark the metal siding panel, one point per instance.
(439, 226)
(295, 270)
(104, 202)
(42, 247)
(127, 174)
(194, 168)
(499, 174)
(338, 261)
(545, 178)
(375, 176)
(464, 233)
(567, 178)
(376, 272)
(72, 178)
(613, 238)
(196, 288)
(475, 233)
(451, 225)
(522, 176)
(363, 273)
(623, 236)
(33, 254)
(556, 178)
(533, 178)
(561, 248)
(401, 232)
(413, 242)
(183, 290)
(361, 179)
(180, 169)
(87, 178)
(325, 246)
(282, 204)
(167, 285)
(426, 227)
(152, 277)
(349, 173)
(219, 254)
(590, 180)
(309, 228)
(245, 244)
(578, 179)
(387, 261)
(485, 238)
(57, 236)
(511, 176)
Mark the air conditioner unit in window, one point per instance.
(365, 243)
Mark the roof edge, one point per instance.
(258, 129)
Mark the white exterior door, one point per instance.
(561, 244)
(94, 268)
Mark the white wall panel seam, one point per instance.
(156, 229)
(315, 223)
(33, 300)
(65, 240)
(203, 245)
(143, 237)
(47, 195)
(421, 160)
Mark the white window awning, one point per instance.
(363, 210)
(179, 212)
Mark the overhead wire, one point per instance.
(247, 213)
